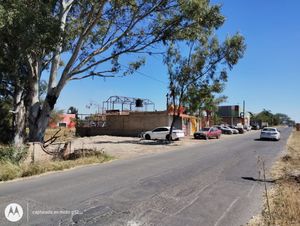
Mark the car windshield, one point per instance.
(205, 129)
(269, 130)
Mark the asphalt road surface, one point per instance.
(199, 185)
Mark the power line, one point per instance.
(146, 75)
(143, 74)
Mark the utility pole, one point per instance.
(231, 114)
(244, 113)
(167, 96)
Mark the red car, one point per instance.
(207, 133)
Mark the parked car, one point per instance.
(207, 133)
(248, 128)
(225, 130)
(238, 128)
(234, 131)
(255, 127)
(163, 133)
(270, 133)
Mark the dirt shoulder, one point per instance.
(129, 147)
(284, 197)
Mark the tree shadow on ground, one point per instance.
(140, 142)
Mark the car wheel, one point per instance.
(168, 137)
(147, 137)
(218, 137)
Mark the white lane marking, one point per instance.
(226, 211)
(192, 202)
(251, 190)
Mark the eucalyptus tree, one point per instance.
(202, 64)
(204, 98)
(26, 29)
(82, 39)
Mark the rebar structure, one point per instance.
(127, 104)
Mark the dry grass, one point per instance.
(285, 195)
(65, 134)
(9, 171)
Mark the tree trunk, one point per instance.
(39, 119)
(176, 115)
(19, 121)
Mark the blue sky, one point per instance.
(267, 77)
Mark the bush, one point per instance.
(6, 132)
(8, 171)
(12, 154)
(11, 165)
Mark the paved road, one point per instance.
(196, 186)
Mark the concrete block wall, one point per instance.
(36, 153)
(127, 125)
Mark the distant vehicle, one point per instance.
(234, 131)
(207, 133)
(163, 133)
(247, 128)
(255, 127)
(238, 128)
(225, 130)
(270, 133)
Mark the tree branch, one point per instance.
(65, 8)
(107, 45)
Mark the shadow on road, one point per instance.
(259, 180)
(268, 140)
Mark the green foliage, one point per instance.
(194, 67)
(9, 170)
(216, 119)
(29, 25)
(12, 154)
(272, 119)
(203, 98)
(196, 76)
(29, 28)
(5, 120)
(56, 116)
(72, 110)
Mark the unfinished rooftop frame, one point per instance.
(121, 103)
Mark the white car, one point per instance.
(270, 133)
(163, 133)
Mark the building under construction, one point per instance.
(125, 116)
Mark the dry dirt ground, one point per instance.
(128, 147)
